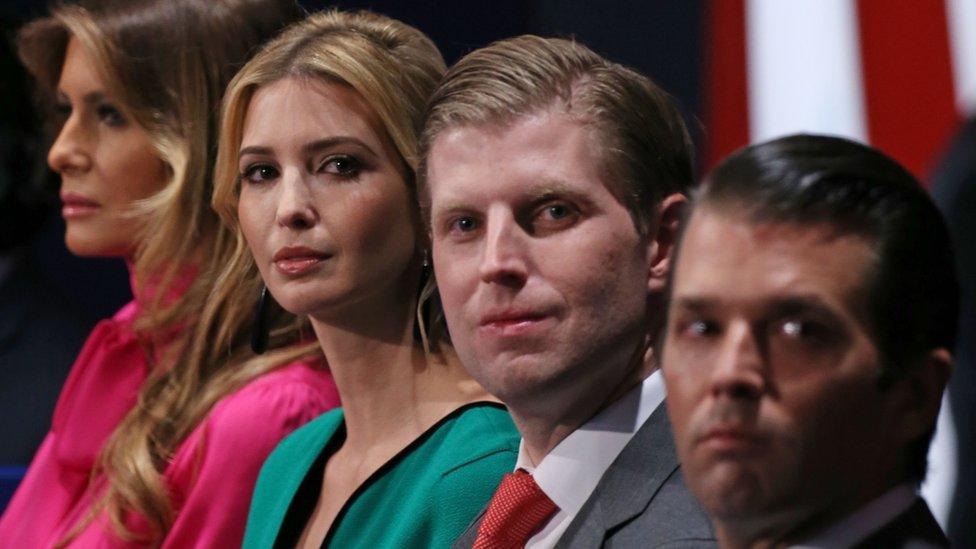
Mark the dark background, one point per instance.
(661, 38)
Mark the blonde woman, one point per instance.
(164, 421)
(316, 173)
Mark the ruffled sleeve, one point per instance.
(213, 473)
(102, 387)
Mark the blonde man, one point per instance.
(553, 182)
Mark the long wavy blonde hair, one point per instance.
(392, 65)
(168, 62)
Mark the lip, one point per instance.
(729, 439)
(513, 322)
(75, 205)
(294, 261)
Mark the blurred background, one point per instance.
(898, 74)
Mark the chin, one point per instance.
(730, 494)
(94, 247)
(300, 301)
(291, 303)
(521, 380)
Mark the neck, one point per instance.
(546, 421)
(390, 389)
(791, 526)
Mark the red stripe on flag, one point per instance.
(907, 79)
(726, 94)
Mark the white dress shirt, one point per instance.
(570, 472)
(865, 521)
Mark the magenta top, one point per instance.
(210, 476)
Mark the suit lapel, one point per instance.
(916, 527)
(466, 539)
(628, 486)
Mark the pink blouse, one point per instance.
(211, 475)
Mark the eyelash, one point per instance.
(248, 175)
(351, 171)
(110, 115)
(105, 112)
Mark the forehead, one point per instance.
(78, 73)
(725, 257)
(303, 109)
(543, 150)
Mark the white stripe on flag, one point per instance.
(804, 68)
(962, 43)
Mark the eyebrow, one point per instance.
(782, 306)
(309, 148)
(546, 190)
(91, 98)
(800, 304)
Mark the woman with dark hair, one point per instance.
(164, 421)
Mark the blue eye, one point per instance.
(465, 224)
(557, 211)
(555, 216)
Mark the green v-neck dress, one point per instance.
(424, 497)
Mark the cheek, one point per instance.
(595, 283)
(377, 222)
(456, 269)
(255, 224)
(132, 168)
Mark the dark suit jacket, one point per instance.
(914, 529)
(640, 502)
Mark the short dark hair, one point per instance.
(913, 293)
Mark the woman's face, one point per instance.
(323, 202)
(105, 160)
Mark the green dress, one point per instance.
(424, 497)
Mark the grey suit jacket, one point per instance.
(640, 502)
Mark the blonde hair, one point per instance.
(392, 65)
(646, 146)
(167, 62)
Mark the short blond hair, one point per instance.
(646, 147)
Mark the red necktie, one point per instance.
(518, 508)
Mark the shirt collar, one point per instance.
(865, 521)
(570, 472)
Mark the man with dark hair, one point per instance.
(812, 308)
(553, 181)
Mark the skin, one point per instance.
(320, 175)
(106, 162)
(771, 373)
(543, 275)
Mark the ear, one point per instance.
(920, 395)
(660, 245)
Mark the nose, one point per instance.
(70, 152)
(739, 372)
(503, 259)
(296, 209)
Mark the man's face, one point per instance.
(543, 275)
(770, 370)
